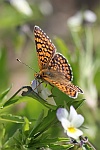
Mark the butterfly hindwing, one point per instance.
(64, 85)
(60, 64)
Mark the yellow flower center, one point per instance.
(72, 129)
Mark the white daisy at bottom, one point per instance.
(70, 121)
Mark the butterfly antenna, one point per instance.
(25, 64)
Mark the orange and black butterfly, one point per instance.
(54, 67)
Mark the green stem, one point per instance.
(88, 143)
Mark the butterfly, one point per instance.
(54, 67)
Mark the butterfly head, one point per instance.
(38, 76)
(44, 74)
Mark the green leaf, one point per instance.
(46, 123)
(60, 147)
(10, 102)
(45, 142)
(54, 140)
(61, 46)
(76, 103)
(2, 134)
(34, 95)
(11, 118)
(38, 122)
(26, 124)
(4, 73)
(14, 141)
(12, 99)
(60, 97)
(3, 94)
(39, 119)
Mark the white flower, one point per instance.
(70, 121)
(77, 20)
(22, 6)
(42, 91)
(90, 16)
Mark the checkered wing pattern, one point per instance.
(59, 80)
(45, 48)
(68, 88)
(60, 64)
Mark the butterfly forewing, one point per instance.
(45, 48)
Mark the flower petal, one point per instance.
(46, 95)
(75, 20)
(34, 85)
(62, 113)
(90, 16)
(65, 123)
(74, 134)
(72, 113)
(77, 121)
(37, 86)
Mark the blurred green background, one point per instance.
(75, 34)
